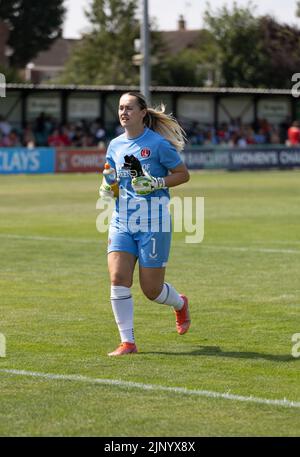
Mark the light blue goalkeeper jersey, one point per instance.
(156, 155)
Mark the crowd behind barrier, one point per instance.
(45, 131)
(45, 146)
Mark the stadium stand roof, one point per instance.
(174, 89)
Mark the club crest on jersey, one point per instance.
(145, 153)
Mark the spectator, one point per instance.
(293, 134)
(1, 140)
(241, 141)
(223, 133)
(259, 137)
(249, 136)
(98, 131)
(12, 140)
(283, 128)
(275, 136)
(58, 139)
(28, 138)
(266, 130)
(88, 140)
(67, 135)
(5, 126)
(41, 130)
(77, 138)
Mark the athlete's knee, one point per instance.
(120, 279)
(151, 291)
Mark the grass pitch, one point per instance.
(244, 291)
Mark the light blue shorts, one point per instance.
(151, 248)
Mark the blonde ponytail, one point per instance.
(165, 124)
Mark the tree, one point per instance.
(238, 34)
(281, 44)
(33, 25)
(298, 9)
(254, 51)
(11, 74)
(190, 66)
(104, 56)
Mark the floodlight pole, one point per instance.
(145, 70)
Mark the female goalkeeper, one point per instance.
(152, 141)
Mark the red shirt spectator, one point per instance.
(12, 140)
(58, 139)
(294, 134)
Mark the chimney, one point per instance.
(181, 23)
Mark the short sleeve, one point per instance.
(168, 155)
(109, 156)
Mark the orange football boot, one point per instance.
(124, 348)
(183, 320)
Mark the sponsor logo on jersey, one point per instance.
(123, 173)
(145, 153)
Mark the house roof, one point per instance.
(61, 49)
(57, 54)
(177, 40)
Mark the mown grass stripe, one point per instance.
(203, 245)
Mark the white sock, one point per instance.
(169, 296)
(122, 305)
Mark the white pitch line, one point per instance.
(203, 245)
(254, 249)
(48, 238)
(155, 387)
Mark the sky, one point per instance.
(167, 13)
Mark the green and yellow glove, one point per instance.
(106, 192)
(144, 185)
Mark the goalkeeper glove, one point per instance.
(144, 185)
(106, 192)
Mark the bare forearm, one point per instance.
(175, 179)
